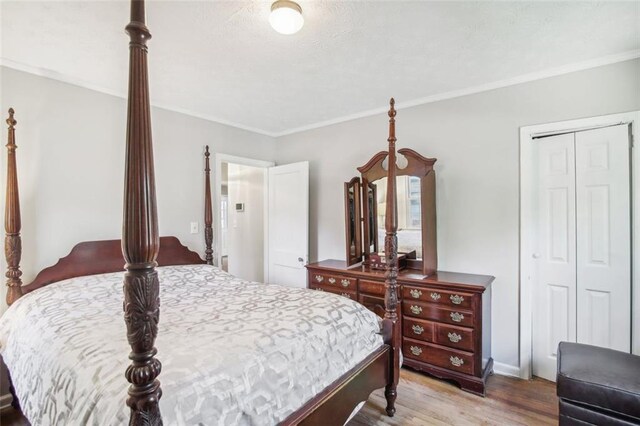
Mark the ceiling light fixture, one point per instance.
(286, 17)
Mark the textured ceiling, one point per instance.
(223, 61)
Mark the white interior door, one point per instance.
(288, 241)
(604, 237)
(554, 313)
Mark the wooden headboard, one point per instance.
(102, 257)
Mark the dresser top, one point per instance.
(411, 275)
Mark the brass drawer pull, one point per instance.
(454, 337)
(415, 293)
(416, 350)
(435, 296)
(417, 329)
(458, 362)
(455, 299)
(416, 309)
(332, 280)
(456, 316)
(319, 278)
(347, 295)
(345, 283)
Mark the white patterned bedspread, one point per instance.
(233, 352)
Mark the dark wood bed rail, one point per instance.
(140, 239)
(208, 214)
(12, 224)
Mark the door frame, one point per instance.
(218, 159)
(527, 227)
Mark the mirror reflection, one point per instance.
(409, 214)
(372, 210)
(353, 226)
(351, 209)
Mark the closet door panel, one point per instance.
(604, 237)
(554, 314)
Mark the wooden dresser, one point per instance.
(445, 317)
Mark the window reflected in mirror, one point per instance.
(372, 204)
(409, 214)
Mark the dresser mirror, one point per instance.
(353, 220)
(416, 210)
(408, 200)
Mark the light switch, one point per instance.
(194, 227)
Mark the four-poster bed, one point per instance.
(197, 300)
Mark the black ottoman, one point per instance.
(597, 386)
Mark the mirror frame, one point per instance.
(354, 184)
(417, 166)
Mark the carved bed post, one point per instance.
(208, 216)
(391, 274)
(12, 242)
(140, 241)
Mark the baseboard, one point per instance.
(5, 401)
(506, 369)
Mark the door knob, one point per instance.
(300, 259)
(536, 255)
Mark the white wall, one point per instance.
(246, 228)
(71, 144)
(476, 141)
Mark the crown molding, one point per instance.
(525, 78)
(53, 75)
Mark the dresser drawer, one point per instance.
(454, 337)
(441, 297)
(329, 289)
(372, 287)
(418, 329)
(336, 281)
(450, 359)
(433, 312)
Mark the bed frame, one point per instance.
(141, 250)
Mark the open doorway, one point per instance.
(240, 199)
(261, 219)
(242, 221)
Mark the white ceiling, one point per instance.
(222, 60)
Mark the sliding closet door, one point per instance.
(554, 313)
(604, 237)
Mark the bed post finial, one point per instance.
(208, 216)
(140, 240)
(12, 223)
(391, 255)
(11, 121)
(392, 123)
